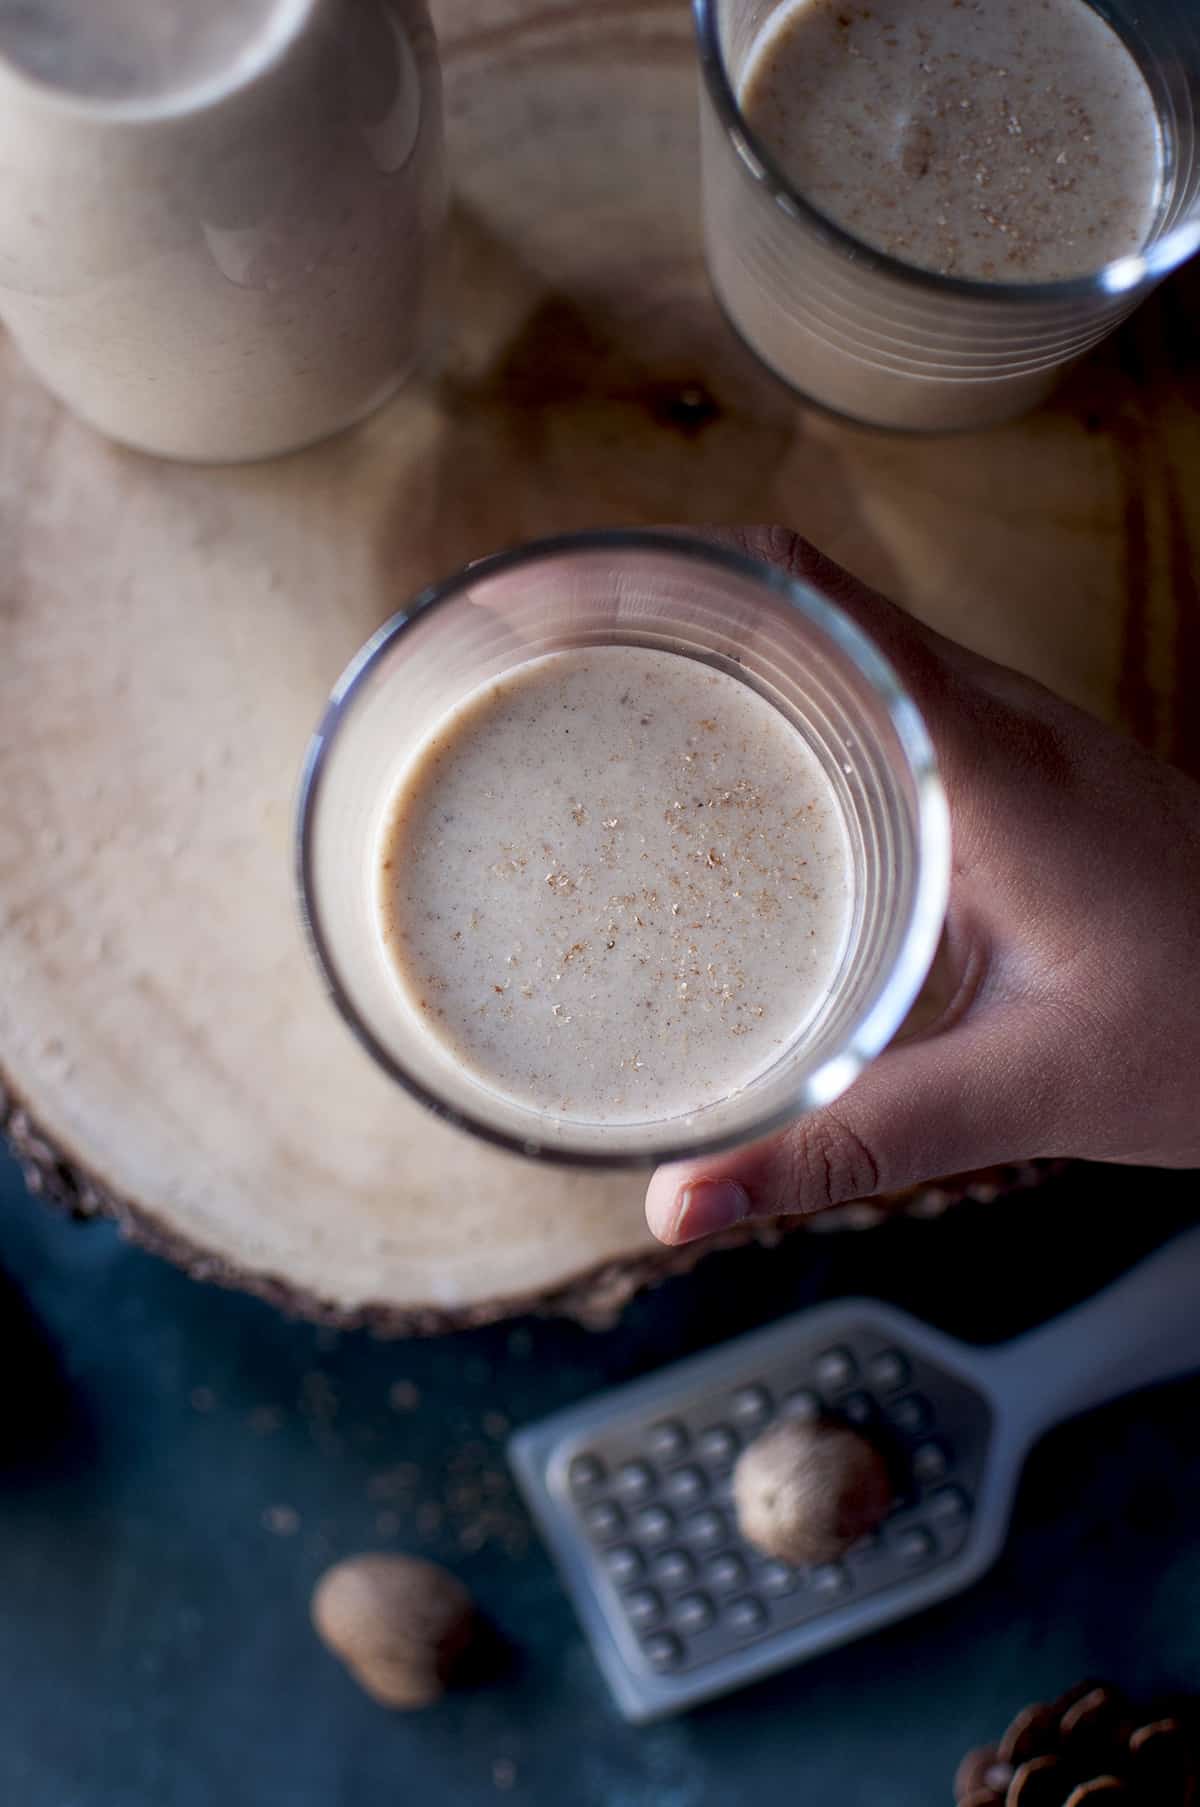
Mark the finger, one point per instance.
(917, 652)
(961, 1100)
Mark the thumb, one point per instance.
(968, 1098)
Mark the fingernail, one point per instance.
(707, 1206)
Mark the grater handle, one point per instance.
(1138, 1332)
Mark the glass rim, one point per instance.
(264, 51)
(888, 1003)
(1120, 276)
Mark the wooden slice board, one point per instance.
(168, 635)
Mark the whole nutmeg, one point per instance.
(398, 1624)
(807, 1492)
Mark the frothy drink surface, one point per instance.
(129, 49)
(1001, 140)
(615, 885)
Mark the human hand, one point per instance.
(1071, 954)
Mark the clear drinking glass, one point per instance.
(674, 594)
(894, 346)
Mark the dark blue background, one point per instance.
(154, 1640)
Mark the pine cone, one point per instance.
(1089, 1749)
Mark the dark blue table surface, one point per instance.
(179, 1464)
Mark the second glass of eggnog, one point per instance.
(920, 212)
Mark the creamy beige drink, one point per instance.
(615, 885)
(1005, 140)
(219, 219)
(621, 847)
(1006, 143)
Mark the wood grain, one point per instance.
(168, 633)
